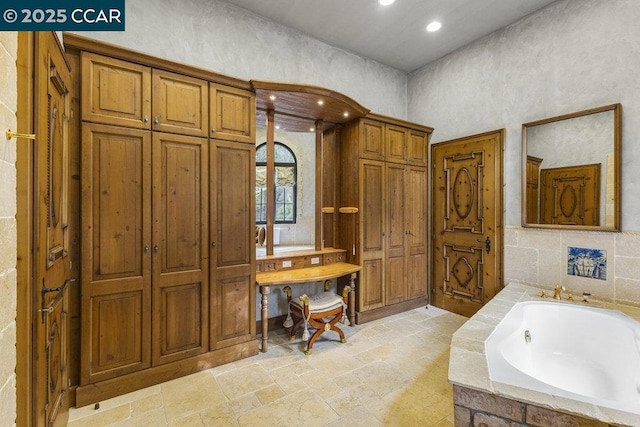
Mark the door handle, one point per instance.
(487, 244)
(156, 248)
(46, 290)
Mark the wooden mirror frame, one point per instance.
(617, 129)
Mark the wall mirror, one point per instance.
(571, 170)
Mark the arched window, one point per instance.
(285, 179)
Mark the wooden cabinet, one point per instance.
(393, 142)
(180, 104)
(233, 113)
(391, 234)
(168, 216)
(115, 92)
(232, 243)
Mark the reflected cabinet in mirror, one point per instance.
(571, 170)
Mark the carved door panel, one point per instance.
(51, 204)
(570, 195)
(180, 249)
(467, 222)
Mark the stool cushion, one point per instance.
(324, 301)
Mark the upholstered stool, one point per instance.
(321, 311)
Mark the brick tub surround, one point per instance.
(478, 401)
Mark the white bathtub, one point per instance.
(582, 353)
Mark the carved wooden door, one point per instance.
(570, 195)
(467, 222)
(51, 204)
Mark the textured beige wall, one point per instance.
(8, 234)
(570, 56)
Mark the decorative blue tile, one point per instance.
(587, 263)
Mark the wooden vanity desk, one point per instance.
(294, 268)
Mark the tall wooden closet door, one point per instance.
(396, 268)
(416, 209)
(232, 243)
(180, 246)
(371, 293)
(116, 260)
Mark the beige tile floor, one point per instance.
(391, 372)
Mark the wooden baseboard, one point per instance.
(92, 393)
(378, 313)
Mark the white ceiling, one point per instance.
(395, 35)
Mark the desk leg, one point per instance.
(352, 300)
(264, 316)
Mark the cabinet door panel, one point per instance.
(417, 148)
(372, 140)
(417, 231)
(372, 221)
(395, 234)
(116, 271)
(180, 246)
(232, 186)
(371, 289)
(234, 308)
(233, 114)
(396, 142)
(180, 104)
(115, 92)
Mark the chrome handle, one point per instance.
(213, 244)
(146, 119)
(156, 120)
(213, 130)
(146, 249)
(46, 310)
(156, 248)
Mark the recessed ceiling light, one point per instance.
(434, 26)
(346, 114)
(320, 102)
(386, 2)
(272, 97)
(312, 130)
(277, 126)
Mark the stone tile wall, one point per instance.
(8, 233)
(539, 257)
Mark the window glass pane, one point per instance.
(285, 183)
